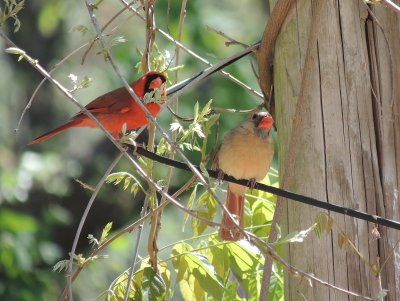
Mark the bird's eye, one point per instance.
(254, 116)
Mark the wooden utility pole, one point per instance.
(337, 80)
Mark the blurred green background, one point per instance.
(41, 203)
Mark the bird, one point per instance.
(246, 152)
(116, 108)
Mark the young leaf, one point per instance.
(207, 208)
(118, 177)
(105, 232)
(80, 28)
(117, 40)
(61, 265)
(381, 294)
(323, 223)
(189, 205)
(153, 286)
(342, 240)
(296, 236)
(93, 240)
(262, 215)
(204, 272)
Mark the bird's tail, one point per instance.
(235, 205)
(56, 131)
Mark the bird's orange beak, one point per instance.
(156, 83)
(266, 122)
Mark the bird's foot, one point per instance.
(220, 175)
(252, 183)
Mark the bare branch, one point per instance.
(270, 253)
(192, 53)
(392, 5)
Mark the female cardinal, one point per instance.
(116, 108)
(246, 152)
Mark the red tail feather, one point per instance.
(56, 131)
(235, 205)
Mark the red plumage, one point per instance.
(116, 108)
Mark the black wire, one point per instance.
(211, 70)
(277, 191)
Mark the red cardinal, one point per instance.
(246, 152)
(115, 108)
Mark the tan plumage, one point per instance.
(246, 152)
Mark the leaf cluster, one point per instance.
(10, 9)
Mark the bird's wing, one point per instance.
(116, 101)
(214, 163)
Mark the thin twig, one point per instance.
(224, 35)
(178, 89)
(195, 55)
(136, 248)
(92, 42)
(84, 216)
(29, 104)
(392, 5)
(270, 252)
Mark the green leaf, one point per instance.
(297, 236)
(195, 265)
(134, 188)
(61, 265)
(191, 289)
(120, 285)
(179, 264)
(165, 273)
(118, 40)
(323, 223)
(381, 294)
(190, 203)
(15, 50)
(276, 287)
(152, 285)
(204, 171)
(206, 108)
(93, 240)
(207, 208)
(123, 130)
(263, 213)
(80, 28)
(205, 273)
(245, 261)
(343, 241)
(230, 292)
(210, 122)
(105, 232)
(118, 177)
(11, 10)
(163, 148)
(176, 126)
(196, 112)
(220, 257)
(127, 181)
